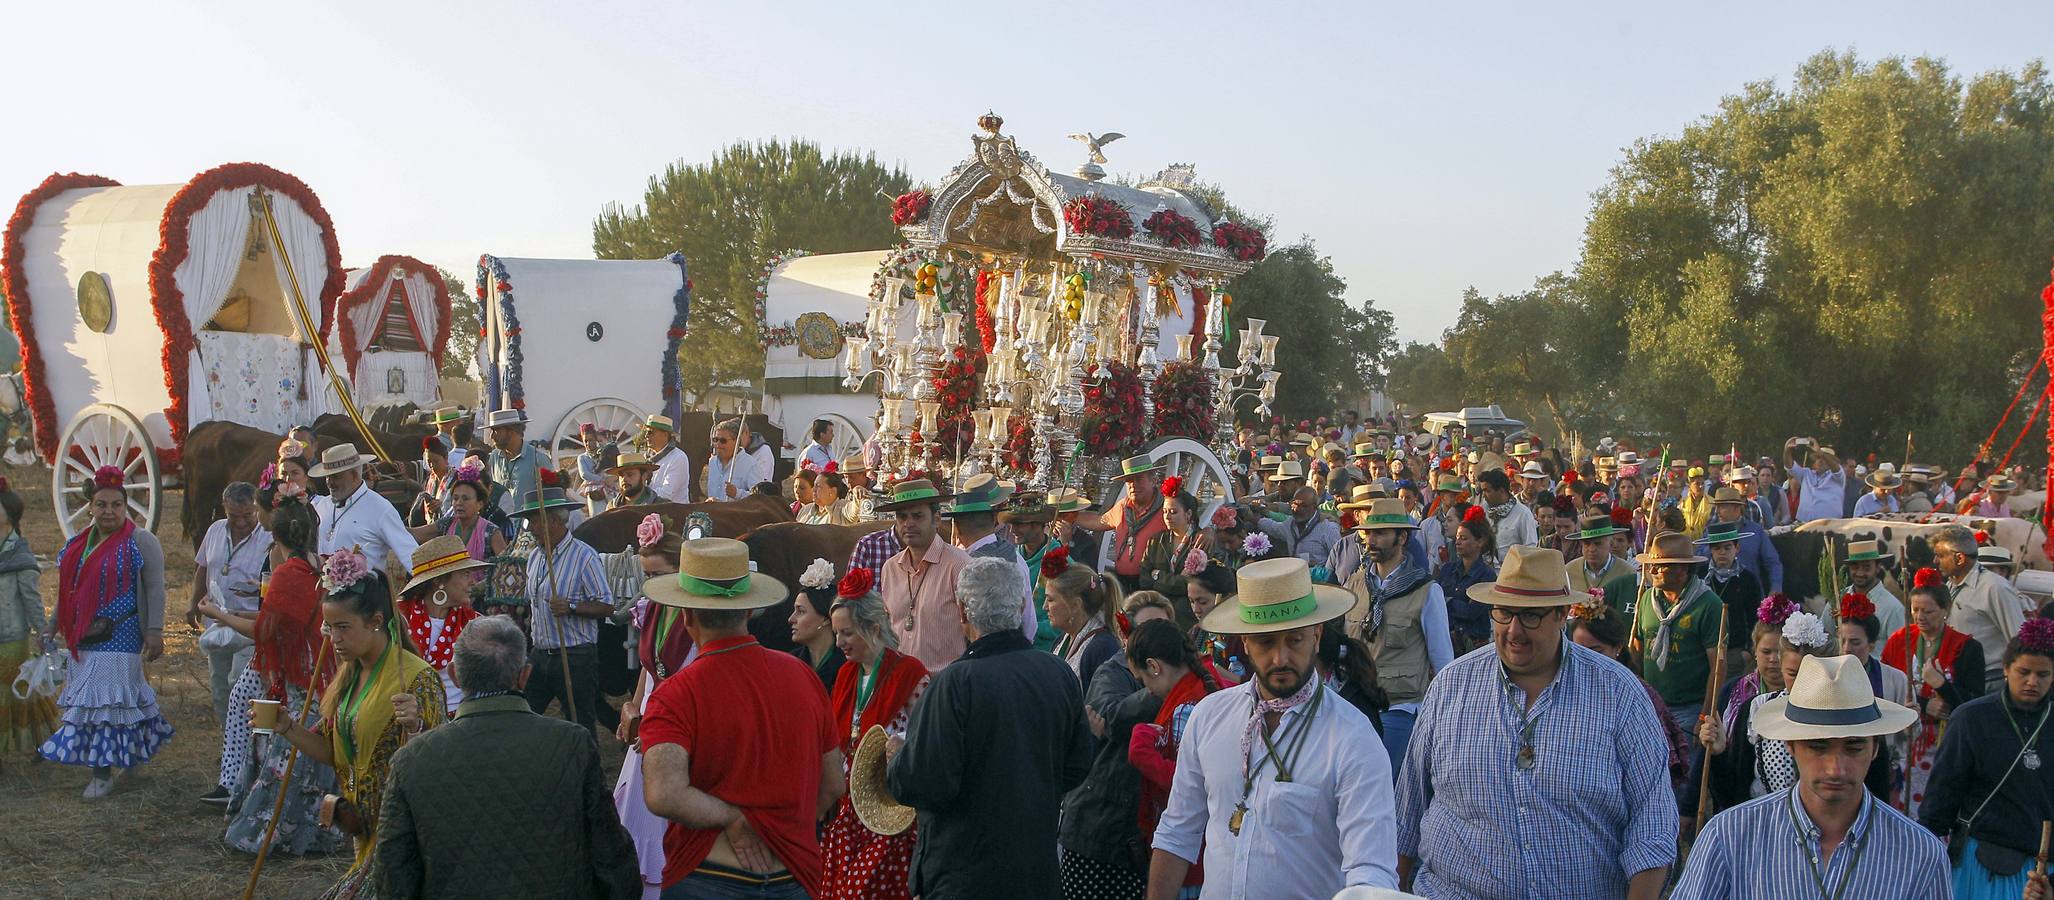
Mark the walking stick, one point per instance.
(1704, 781)
(2046, 837)
(563, 656)
(292, 758)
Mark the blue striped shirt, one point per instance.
(1763, 850)
(1595, 809)
(579, 576)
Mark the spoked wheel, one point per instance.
(617, 420)
(1205, 477)
(104, 435)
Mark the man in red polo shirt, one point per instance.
(739, 747)
(1133, 521)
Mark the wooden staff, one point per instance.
(292, 758)
(563, 656)
(1711, 710)
(2046, 837)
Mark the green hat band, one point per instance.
(704, 588)
(1279, 612)
(1387, 519)
(1595, 533)
(919, 493)
(656, 426)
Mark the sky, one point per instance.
(1426, 148)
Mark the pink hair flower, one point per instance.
(343, 569)
(649, 530)
(1194, 562)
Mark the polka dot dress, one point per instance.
(235, 738)
(1085, 878)
(110, 713)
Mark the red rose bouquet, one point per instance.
(1183, 401)
(1172, 229)
(1112, 412)
(910, 208)
(1244, 242)
(1095, 215)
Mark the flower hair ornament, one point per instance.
(1926, 578)
(1803, 629)
(831, 468)
(1225, 516)
(1589, 610)
(548, 478)
(1055, 562)
(2036, 635)
(290, 491)
(818, 574)
(1172, 486)
(855, 584)
(268, 477)
(109, 478)
(1194, 562)
(472, 470)
(1256, 544)
(1982, 538)
(344, 570)
(1473, 514)
(649, 530)
(291, 449)
(1856, 605)
(1776, 609)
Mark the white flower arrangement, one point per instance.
(1804, 630)
(818, 575)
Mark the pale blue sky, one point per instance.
(1427, 147)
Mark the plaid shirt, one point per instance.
(874, 548)
(579, 576)
(1584, 820)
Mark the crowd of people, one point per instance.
(1457, 665)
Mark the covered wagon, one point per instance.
(145, 310)
(391, 329)
(809, 307)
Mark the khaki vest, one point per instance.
(1400, 647)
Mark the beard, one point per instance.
(1283, 681)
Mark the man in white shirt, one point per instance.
(1865, 573)
(1280, 782)
(817, 454)
(229, 564)
(362, 519)
(1510, 519)
(1987, 606)
(672, 480)
(1822, 488)
(729, 472)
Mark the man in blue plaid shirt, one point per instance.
(1539, 770)
(568, 594)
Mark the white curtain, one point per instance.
(364, 318)
(303, 242)
(216, 238)
(421, 303)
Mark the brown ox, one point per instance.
(217, 454)
(614, 530)
(783, 551)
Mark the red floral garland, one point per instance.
(1173, 229)
(173, 249)
(1200, 300)
(1095, 215)
(1243, 242)
(370, 289)
(987, 332)
(1112, 411)
(1183, 401)
(910, 208)
(1020, 445)
(955, 387)
(15, 284)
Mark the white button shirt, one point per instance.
(367, 521)
(672, 479)
(1332, 826)
(739, 471)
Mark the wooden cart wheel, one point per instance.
(1205, 477)
(617, 420)
(105, 435)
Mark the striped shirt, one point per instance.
(579, 577)
(874, 548)
(1594, 810)
(1764, 850)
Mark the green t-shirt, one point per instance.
(1682, 682)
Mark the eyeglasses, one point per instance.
(1528, 618)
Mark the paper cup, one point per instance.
(264, 716)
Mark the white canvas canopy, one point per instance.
(392, 326)
(797, 389)
(199, 327)
(561, 335)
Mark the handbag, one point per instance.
(41, 676)
(1991, 856)
(102, 628)
(2002, 862)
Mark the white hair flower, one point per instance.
(818, 575)
(1804, 630)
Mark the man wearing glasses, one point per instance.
(1532, 773)
(729, 473)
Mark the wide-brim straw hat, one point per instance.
(913, 492)
(1996, 483)
(340, 458)
(852, 464)
(1360, 497)
(1727, 495)
(868, 795)
(1367, 451)
(1663, 548)
(439, 556)
(1068, 500)
(1277, 595)
(713, 573)
(500, 418)
(1533, 577)
(632, 460)
(1993, 555)
(1138, 465)
(1290, 470)
(1385, 514)
(446, 414)
(1865, 551)
(1831, 698)
(1884, 479)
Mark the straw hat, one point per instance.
(1533, 469)
(505, 418)
(1992, 483)
(1993, 555)
(1831, 698)
(852, 464)
(1068, 500)
(1884, 479)
(713, 573)
(1667, 548)
(868, 795)
(1137, 465)
(1367, 451)
(1865, 551)
(1629, 458)
(912, 492)
(440, 556)
(1277, 595)
(1742, 473)
(659, 423)
(631, 460)
(980, 494)
(1385, 514)
(1727, 495)
(1360, 497)
(1027, 509)
(1290, 470)
(340, 458)
(1269, 461)
(1532, 577)
(446, 414)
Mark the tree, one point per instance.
(1424, 379)
(729, 216)
(1855, 257)
(459, 359)
(1328, 348)
(1522, 349)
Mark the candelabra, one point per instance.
(1255, 375)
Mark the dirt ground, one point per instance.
(152, 837)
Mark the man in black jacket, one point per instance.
(991, 748)
(537, 820)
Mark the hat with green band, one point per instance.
(913, 492)
(1866, 551)
(1720, 533)
(546, 498)
(980, 494)
(1388, 513)
(1596, 526)
(1367, 451)
(1137, 465)
(1277, 595)
(1450, 484)
(447, 414)
(713, 573)
(659, 423)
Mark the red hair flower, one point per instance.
(1055, 562)
(1982, 538)
(1622, 516)
(108, 477)
(855, 584)
(1856, 605)
(1570, 477)
(1172, 485)
(2036, 636)
(1474, 514)
(1926, 578)
(547, 478)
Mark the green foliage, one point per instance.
(1423, 379)
(729, 216)
(460, 358)
(1855, 257)
(1328, 348)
